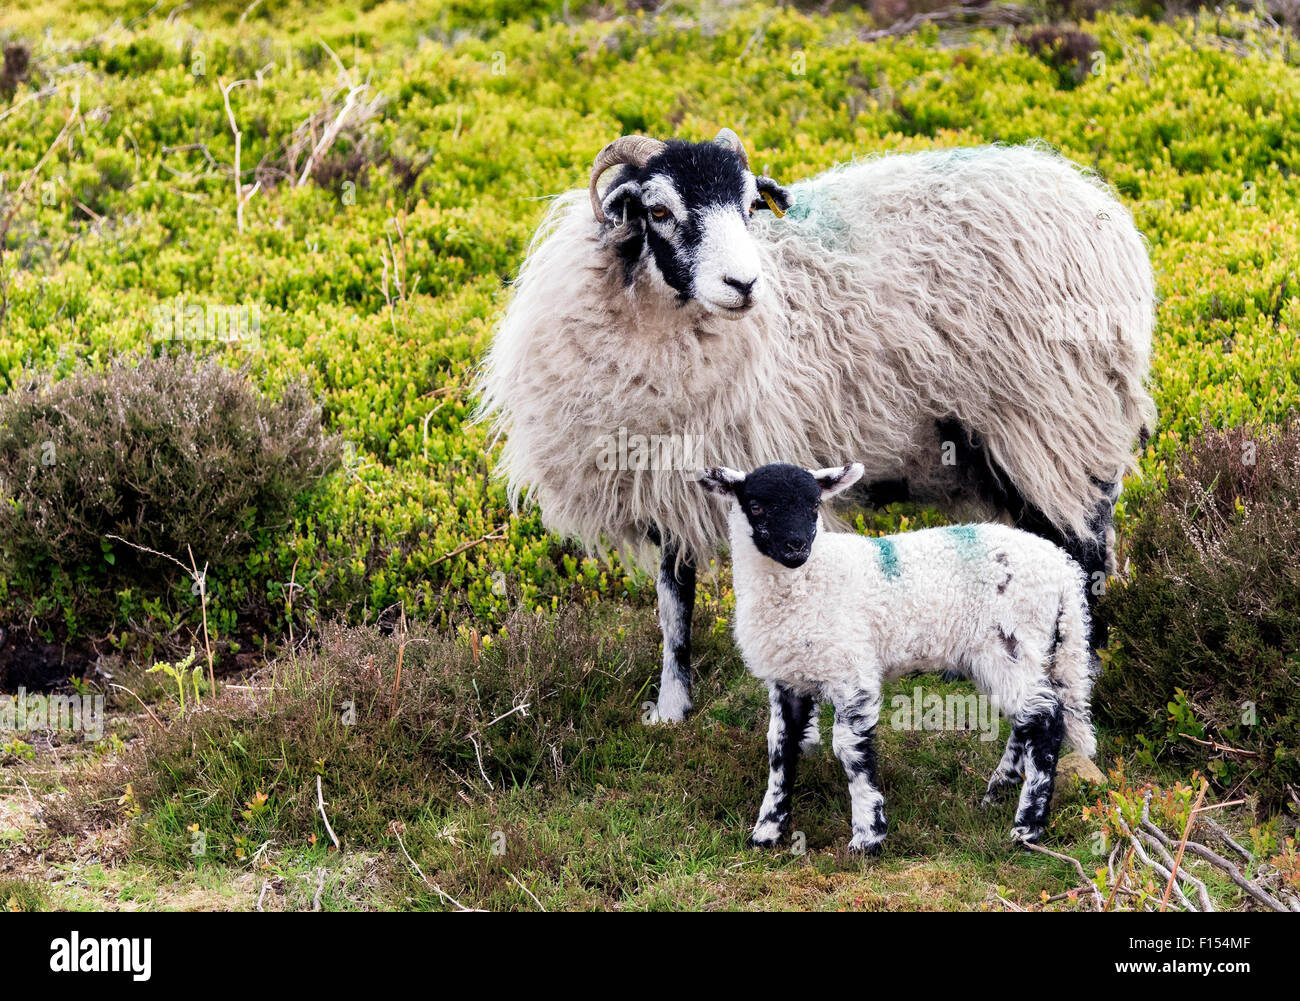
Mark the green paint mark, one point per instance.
(888, 554)
(967, 540)
(815, 210)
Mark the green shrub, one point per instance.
(1205, 662)
(171, 454)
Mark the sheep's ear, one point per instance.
(837, 479)
(622, 202)
(721, 480)
(772, 194)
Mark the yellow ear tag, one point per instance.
(771, 203)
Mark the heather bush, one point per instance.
(1205, 663)
(168, 453)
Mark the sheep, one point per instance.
(974, 324)
(834, 615)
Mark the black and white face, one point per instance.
(684, 217)
(782, 504)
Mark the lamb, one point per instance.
(974, 324)
(835, 615)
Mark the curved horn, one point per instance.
(636, 150)
(728, 138)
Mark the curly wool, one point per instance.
(1000, 286)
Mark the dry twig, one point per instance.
(320, 801)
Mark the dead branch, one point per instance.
(320, 801)
(242, 196)
(1182, 845)
(200, 579)
(994, 15)
(20, 196)
(1222, 748)
(142, 704)
(495, 535)
(428, 882)
(527, 891)
(1226, 838)
(1150, 862)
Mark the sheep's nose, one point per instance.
(744, 288)
(796, 550)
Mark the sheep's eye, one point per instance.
(659, 212)
(755, 508)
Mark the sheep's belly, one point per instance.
(775, 649)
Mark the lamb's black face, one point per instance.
(686, 215)
(781, 504)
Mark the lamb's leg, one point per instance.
(1009, 771)
(856, 714)
(676, 590)
(789, 719)
(1040, 727)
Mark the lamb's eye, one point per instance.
(755, 508)
(659, 212)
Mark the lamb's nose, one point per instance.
(796, 550)
(744, 288)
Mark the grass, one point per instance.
(576, 803)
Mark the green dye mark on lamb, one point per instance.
(888, 554)
(967, 540)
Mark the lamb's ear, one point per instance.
(770, 193)
(721, 480)
(622, 202)
(837, 479)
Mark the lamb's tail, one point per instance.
(1070, 661)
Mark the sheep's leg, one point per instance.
(789, 720)
(1040, 727)
(853, 738)
(812, 731)
(1009, 771)
(1095, 555)
(676, 590)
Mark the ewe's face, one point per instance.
(685, 219)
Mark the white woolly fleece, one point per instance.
(863, 611)
(1000, 286)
